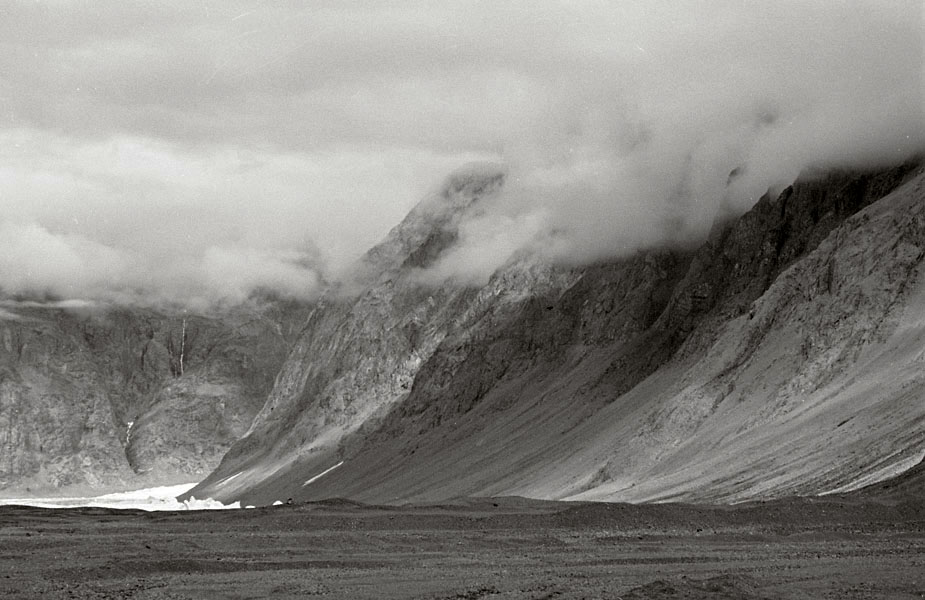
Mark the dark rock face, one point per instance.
(102, 398)
(740, 261)
(689, 373)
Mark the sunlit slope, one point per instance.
(820, 387)
(909, 486)
(782, 356)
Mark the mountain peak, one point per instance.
(432, 226)
(471, 182)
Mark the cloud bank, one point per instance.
(197, 152)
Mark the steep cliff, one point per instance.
(98, 397)
(782, 356)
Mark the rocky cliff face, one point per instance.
(782, 356)
(97, 398)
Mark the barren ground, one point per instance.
(498, 548)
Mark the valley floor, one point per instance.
(496, 548)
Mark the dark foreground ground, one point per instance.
(502, 548)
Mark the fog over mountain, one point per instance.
(195, 153)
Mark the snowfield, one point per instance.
(150, 499)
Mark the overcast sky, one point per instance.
(195, 151)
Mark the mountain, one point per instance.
(782, 356)
(97, 398)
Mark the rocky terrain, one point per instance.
(96, 398)
(782, 356)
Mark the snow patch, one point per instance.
(322, 474)
(229, 478)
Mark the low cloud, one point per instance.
(685, 116)
(35, 263)
(196, 153)
(132, 220)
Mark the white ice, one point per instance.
(150, 499)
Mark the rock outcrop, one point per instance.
(781, 356)
(96, 398)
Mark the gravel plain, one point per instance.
(473, 548)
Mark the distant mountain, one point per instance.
(783, 356)
(98, 397)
